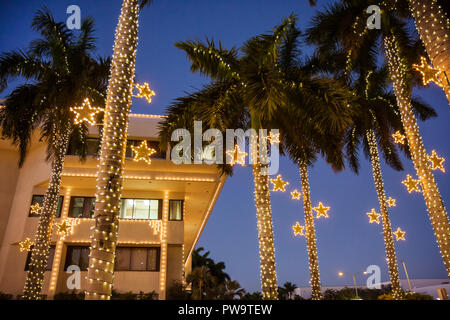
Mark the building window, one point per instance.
(151, 144)
(137, 259)
(176, 210)
(51, 254)
(40, 199)
(78, 256)
(140, 209)
(82, 207)
(92, 147)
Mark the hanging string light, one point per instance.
(436, 161)
(279, 184)
(35, 209)
(296, 195)
(399, 137)
(411, 184)
(143, 152)
(25, 245)
(321, 211)
(85, 113)
(391, 202)
(399, 234)
(373, 216)
(298, 229)
(273, 137)
(144, 92)
(237, 156)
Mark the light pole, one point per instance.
(407, 276)
(341, 274)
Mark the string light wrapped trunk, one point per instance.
(265, 230)
(387, 229)
(436, 210)
(40, 252)
(434, 30)
(112, 156)
(310, 234)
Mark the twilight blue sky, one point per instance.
(346, 241)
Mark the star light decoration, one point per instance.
(237, 155)
(35, 209)
(436, 161)
(298, 229)
(25, 245)
(144, 92)
(374, 216)
(273, 137)
(296, 195)
(391, 202)
(64, 228)
(85, 113)
(411, 184)
(321, 211)
(430, 73)
(279, 184)
(399, 137)
(399, 234)
(143, 152)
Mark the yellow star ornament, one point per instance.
(429, 73)
(391, 202)
(143, 152)
(411, 184)
(296, 195)
(398, 137)
(273, 137)
(436, 161)
(321, 211)
(145, 92)
(298, 229)
(64, 228)
(85, 113)
(237, 156)
(399, 234)
(25, 245)
(279, 184)
(35, 208)
(374, 217)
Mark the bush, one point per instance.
(73, 295)
(5, 296)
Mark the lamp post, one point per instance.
(407, 276)
(341, 274)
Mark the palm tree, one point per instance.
(112, 154)
(374, 125)
(201, 280)
(233, 290)
(433, 26)
(289, 288)
(342, 25)
(248, 91)
(63, 74)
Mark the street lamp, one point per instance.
(341, 274)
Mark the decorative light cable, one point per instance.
(434, 30)
(391, 257)
(112, 155)
(310, 234)
(163, 259)
(264, 222)
(436, 210)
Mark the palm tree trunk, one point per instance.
(310, 235)
(265, 233)
(434, 30)
(112, 157)
(387, 229)
(433, 200)
(41, 248)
